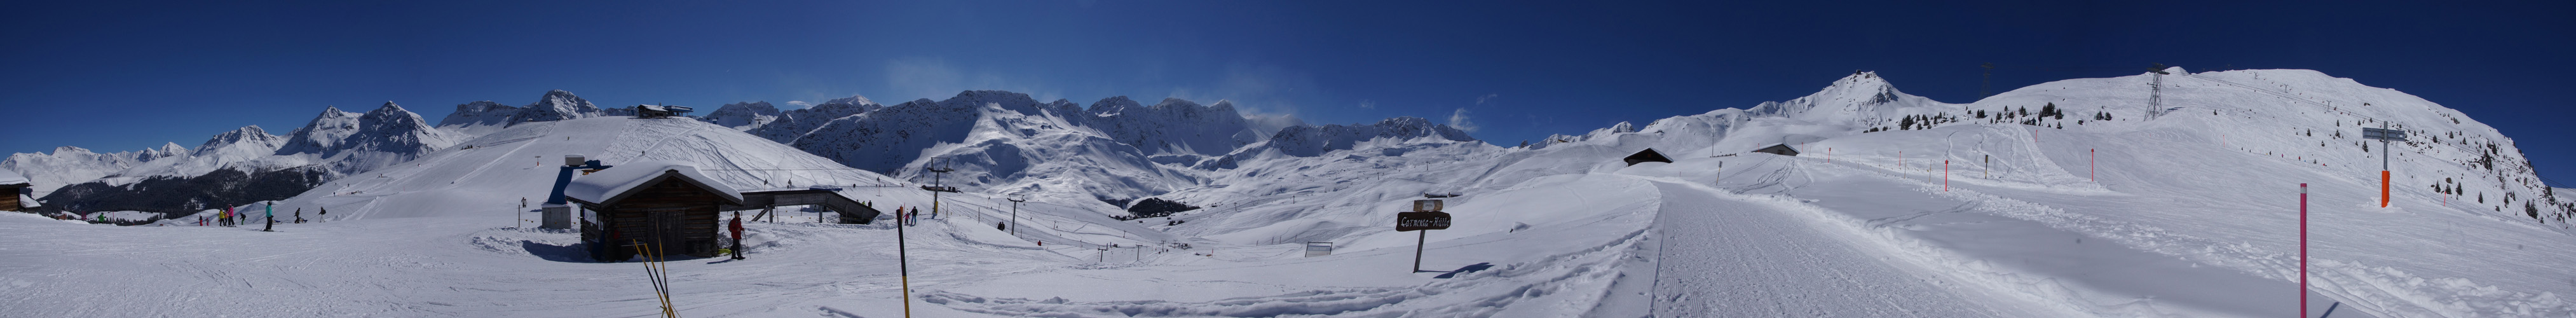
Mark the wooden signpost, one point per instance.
(1426, 216)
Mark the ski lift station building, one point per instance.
(676, 209)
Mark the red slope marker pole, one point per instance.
(1945, 176)
(2303, 250)
(2088, 165)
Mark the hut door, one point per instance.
(665, 225)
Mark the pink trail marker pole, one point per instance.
(2088, 165)
(1945, 176)
(2303, 250)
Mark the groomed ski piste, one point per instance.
(2194, 213)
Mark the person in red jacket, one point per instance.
(737, 234)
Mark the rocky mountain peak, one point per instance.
(1113, 106)
(556, 105)
(744, 115)
(250, 133)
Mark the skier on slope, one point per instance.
(737, 234)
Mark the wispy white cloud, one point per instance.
(799, 104)
(1459, 120)
(933, 78)
(1255, 90)
(1269, 124)
(1369, 104)
(1480, 100)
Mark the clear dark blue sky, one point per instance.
(115, 76)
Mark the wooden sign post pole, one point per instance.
(1418, 241)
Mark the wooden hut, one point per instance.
(14, 195)
(666, 205)
(1648, 155)
(1779, 149)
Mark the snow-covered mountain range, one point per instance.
(2068, 198)
(484, 117)
(248, 164)
(68, 165)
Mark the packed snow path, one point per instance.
(1727, 258)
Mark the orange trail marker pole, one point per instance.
(2383, 188)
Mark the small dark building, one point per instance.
(667, 205)
(660, 111)
(1648, 155)
(14, 195)
(1779, 149)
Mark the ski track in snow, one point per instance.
(1735, 259)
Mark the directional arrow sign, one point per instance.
(2383, 134)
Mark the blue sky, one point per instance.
(117, 76)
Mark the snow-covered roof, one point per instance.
(623, 179)
(12, 178)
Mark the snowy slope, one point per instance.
(2184, 187)
(1898, 206)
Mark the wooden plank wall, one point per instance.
(9, 198)
(681, 217)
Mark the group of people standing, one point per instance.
(228, 217)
